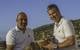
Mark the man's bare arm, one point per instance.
(10, 47)
(68, 41)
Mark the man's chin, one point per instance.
(23, 27)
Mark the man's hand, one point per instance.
(42, 42)
(50, 46)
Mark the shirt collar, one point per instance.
(60, 22)
(17, 29)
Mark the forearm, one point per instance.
(69, 41)
(10, 47)
(64, 44)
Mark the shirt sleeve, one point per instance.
(10, 38)
(68, 28)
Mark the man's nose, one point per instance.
(24, 21)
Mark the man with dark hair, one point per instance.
(20, 36)
(63, 30)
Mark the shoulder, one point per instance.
(66, 22)
(29, 29)
(11, 31)
(10, 37)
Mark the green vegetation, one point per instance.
(43, 31)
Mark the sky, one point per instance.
(36, 11)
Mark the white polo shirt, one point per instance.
(63, 30)
(19, 39)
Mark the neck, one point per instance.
(59, 20)
(22, 29)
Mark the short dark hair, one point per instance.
(51, 6)
(21, 13)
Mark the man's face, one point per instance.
(53, 14)
(22, 21)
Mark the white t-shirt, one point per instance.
(19, 39)
(63, 30)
